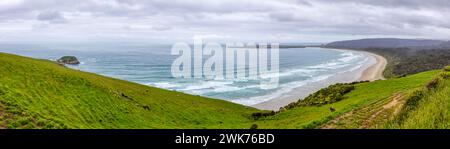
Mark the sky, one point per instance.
(168, 21)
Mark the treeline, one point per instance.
(405, 56)
(406, 61)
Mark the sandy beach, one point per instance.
(371, 71)
(375, 72)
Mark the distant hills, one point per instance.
(405, 56)
(445, 44)
(387, 43)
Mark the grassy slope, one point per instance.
(42, 94)
(363, 95)
(430, 111)
(39, 93)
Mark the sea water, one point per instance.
(151, 65)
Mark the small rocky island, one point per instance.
(71, 60)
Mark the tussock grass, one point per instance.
(426, 108)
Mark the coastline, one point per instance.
(370, 71)
(375, 72)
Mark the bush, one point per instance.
(258, 115)
(13, 125)
(414, 99)
(324, 96)
(433, 84)
(23, 121)
(445, 75)
(412, 102)
(447, 68)
(358, 82)
(50, 125)
(41, 122)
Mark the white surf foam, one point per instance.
(284, 88)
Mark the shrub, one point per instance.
(50, 125)
(41, 122)
(324, 96)
(447, 68)
(412, 102)
(445, 75)
(13, 125)
(23, 121)
(358, 82)
(433, 83)
(258, 115)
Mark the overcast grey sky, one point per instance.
(221, 20)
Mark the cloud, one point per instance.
(252, 20)
(411, 4)
(9, 3)
(51, 17)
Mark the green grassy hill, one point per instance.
(43, 94)
(364, 94)
(427, 107)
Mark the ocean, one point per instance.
(151, 65)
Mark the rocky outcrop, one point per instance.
(71, 60)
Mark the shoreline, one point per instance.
(370, 71)
(375, 72)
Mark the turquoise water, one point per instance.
(151, 65)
